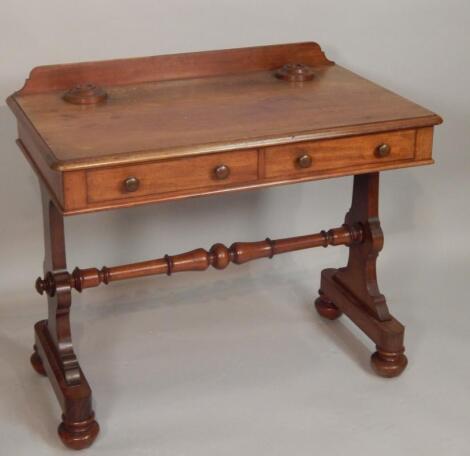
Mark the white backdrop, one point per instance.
(420, 49)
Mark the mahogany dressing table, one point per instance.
(113, 134)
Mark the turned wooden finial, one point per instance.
(295, 72)
(40, 285)
(46, 285)
(85, 94)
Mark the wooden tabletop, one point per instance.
(186, 104)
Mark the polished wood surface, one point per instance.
(168, 179)
(157, 112)
(174, 66)
(170, 119)
(343, 153)
(114, 134)
(173, 176)
(97, 189)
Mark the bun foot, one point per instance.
(36, 362)
(326, 308)
(78, 435)
(388, 364)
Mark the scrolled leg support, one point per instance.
(53, 353)
(353, 290)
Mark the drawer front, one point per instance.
(172, 176)
(317, 156)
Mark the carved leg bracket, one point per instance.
(353, 290)
(53, 354)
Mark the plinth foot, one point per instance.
(388, 364)
(326, 308)
(78, 435)
(36, 362)
(79, 428)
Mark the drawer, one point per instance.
(317, 156)
(172, 176)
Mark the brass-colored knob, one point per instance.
(222, 172)
(304, 161)
(131, 184)
(383, 150)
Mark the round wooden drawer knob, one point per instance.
(222, 172)
(304, 161)
(131, 184)
(383, 150)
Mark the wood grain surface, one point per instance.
(167, 121)
(170, 119)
